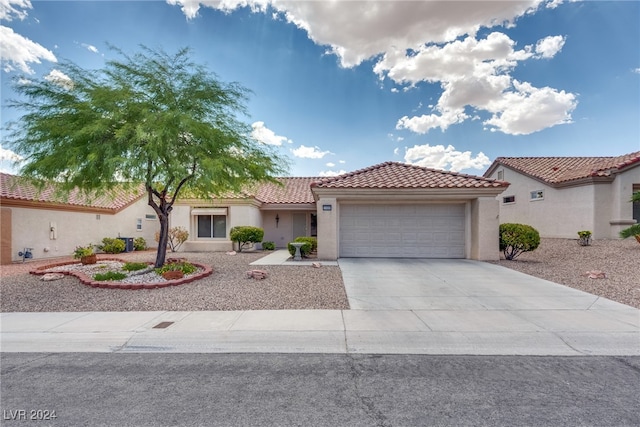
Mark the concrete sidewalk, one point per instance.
(608, 330)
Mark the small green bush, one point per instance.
(246, 235)
(310, 244)
(268, 246)
(632, 231)
(112, 246)
(134, 266)
(109, 275)
(517, 238)
(139, 244)
(185, 267)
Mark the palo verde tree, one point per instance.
(150, 118)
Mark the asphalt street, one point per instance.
(97, 389)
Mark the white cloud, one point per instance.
(14, 8)
(549, 46)
(332, 173)
(637, 70)
(265, 135)
(426, 41)
(9, 160)
(330, 165)
(90, 48)
(529, 109)
(309, 152)
(18, 51)
(446, 158)
(59, 78)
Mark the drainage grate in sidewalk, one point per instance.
(163, 325)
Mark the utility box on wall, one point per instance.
(128, 243)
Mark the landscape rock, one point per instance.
(52, 276)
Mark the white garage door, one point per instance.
(402, 231)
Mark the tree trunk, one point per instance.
(163, 239)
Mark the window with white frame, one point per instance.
(150, 217)
(210, 223)
(501, 175)
(139, 224)
(508, 199)
(537, 195)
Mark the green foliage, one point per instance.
(268, 246)
(632, 231)
(176, 236)
(150, 118)
(112, 246)
(310, 245)
(185, 267)
(139, 244)
(517, 238)
(635, 197)
(83, 251)
(109, 275)
(246, 236)
(134, 266)
(584, 238)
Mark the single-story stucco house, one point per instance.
(50, 227)
(387, 210)
(560, 196)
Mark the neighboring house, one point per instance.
(52, 227)
(560, 196)
(387, 210)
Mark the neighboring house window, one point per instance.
(537, 195)
(509, 199)
(150, 217)
(210, 226)
(500, 175)
(139, 224)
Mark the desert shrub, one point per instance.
(134, 266)
(109, 275)
(246, 236)
(632, 231)
(176, 237)
(139, 244)
(268, 246)
(112, 246)
(185, 267)
(517, 238)
(310, 243)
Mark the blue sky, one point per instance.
(342, 85)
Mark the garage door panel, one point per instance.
(412, 231)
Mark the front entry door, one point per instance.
(299, 224)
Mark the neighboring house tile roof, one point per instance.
(403, 176)
(13, 188)
(293, 190)
(559, 170)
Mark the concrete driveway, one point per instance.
(454, 284)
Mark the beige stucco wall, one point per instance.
(328, 242)
(483, 240)
(30, 228)
(621, 208)
(600, 207)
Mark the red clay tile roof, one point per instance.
(402, 175)
(294, 190)
(14, 188)
(557, 170)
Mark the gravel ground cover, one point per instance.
(564, 261)
(286, 287)
(303, 287)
